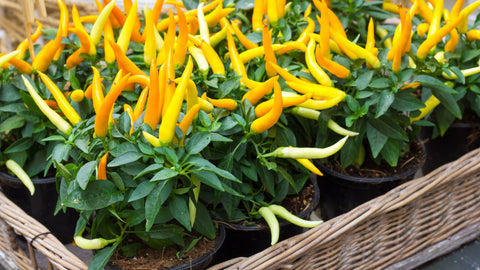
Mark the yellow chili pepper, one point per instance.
(103, 115)
(319, 91)
(291, 46)
(305, 35)
(255, 94)
(102, 168)
(140, 105)
(357, 50)
(309, 166)
(216, 15)
(465, 13)
(64, 18)
(45, 56)
(472, 34)
(257, 15)
(224, 103)
(97, 90)
(317, 71)
(454, 37)
(211, 55)
(317, 104)
(370, 43)
(98, 26)
(457, 7)
(169, 40)
(127, 29)
(167, 126)
(170, 81)
(77, 95)
(269, 54)
(237, 64)
(382, 33)
(403, 42)
(422, 29)
(62, 102)
(218, 36)
(264, 107)
(285, 74)
(22, 66)
(53, 116)
(324, 32)
(5, 58)
(432, 40)
(272, 12)
(335, 23)
(268, 120)
(150, 47)
(425, 11)
(307, 152)
(248, 55)
(430, 104)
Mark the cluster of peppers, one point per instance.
(181, 40)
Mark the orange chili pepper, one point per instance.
(268, 120)
(102, 168)
(224, 103)
(124, 62)
(23, 46)
(62, 102)
(101, 125)
(153, 109)
(335, 22)
(257, 15)
(255, 94)
(264, 107)
(157, 10)
(108, 39)
(305, 35)
(248, 44)
(317, 71)
(324, 32)
(45, 56)
(269, 54)
(97, 94)
(237, 64)
(181, 41)
(349, 47)
(167, 127)
(75, 58)
(169, 40)
(143, 80)
(140, 105)
(403, 42)
(432, 40)
(117, 16)
(22, 66)
(188, 119)
(332, 66)
(85, 37)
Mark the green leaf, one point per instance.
(19, 145)
(228, 85)
(163, 174)
(406, 102)
(85, 173)
(8, 93)
(117, 180)
(380, 83)
(197, 142)
(10, 123)
(364, 80)
(151, 168)
(388, 128)
(141, 191)
(391, 152)
(448, 100)
(125, 158)
(349, 151)
(101, 258)
(209, 179)
(178, 207)
(386, 99)
(203, 222)
(376, 140)
(155, 200)
(98, 195)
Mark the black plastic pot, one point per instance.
(41, 205)
(459, 139)
(340, 193)
(244, 241)
(199, 263)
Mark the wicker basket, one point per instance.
(16, 224)
(402, 229)
(12, 19)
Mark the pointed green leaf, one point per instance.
(376, 140)
(100, 194)
(155, 200)
(209, 179)
(125, 158)
(386, 99)
(165, 173)
(178, 207)
(85, 173)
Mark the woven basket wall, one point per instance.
(387, 230)
(15, 222)
(12, 20)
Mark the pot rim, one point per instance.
(9, 179)
(376, 180)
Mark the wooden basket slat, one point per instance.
(384, 231)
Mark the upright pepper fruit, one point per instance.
(268, 120)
